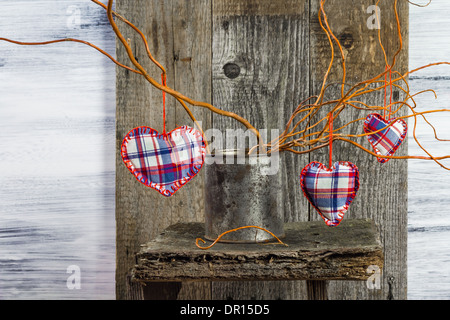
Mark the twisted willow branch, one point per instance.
(299, 133)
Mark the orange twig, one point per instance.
(234, 230)
(303, 130)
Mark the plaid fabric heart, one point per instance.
(385, 141)
(164, 162)
(330, 191)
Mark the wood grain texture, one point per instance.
(383, 188)
(272, 54)
(314, 252)
(268, 42)
(258, 7)
(175, 33)
(263, 62)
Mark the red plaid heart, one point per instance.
(164, 162)
(330, 191)
(387, 135)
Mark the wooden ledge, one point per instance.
(314, 252)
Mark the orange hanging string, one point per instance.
(385, 93)
(163, 78)
(331, 139)
(390, 95)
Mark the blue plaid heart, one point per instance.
(330, 191)
(164, 162)
(387, 136)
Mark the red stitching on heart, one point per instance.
(176, 185)
(351, 196)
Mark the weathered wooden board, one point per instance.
(270, 51)
(264, 58)
(179, 38)
(267, 43)
(314, 252)
(383, 187)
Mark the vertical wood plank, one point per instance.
(261, 71)
(383, 187)
(192, 76)
(140, 212)
(269, 43)
(135, 291)
(266, 57)
(317, 290)
(175, 31)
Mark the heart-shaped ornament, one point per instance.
(164, 162)
(330, 191)
(385, 136)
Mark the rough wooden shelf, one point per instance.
(314, 252)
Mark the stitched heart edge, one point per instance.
(145, 181)
(373, 143)
(352, 196)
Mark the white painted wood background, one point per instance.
(57, 132)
